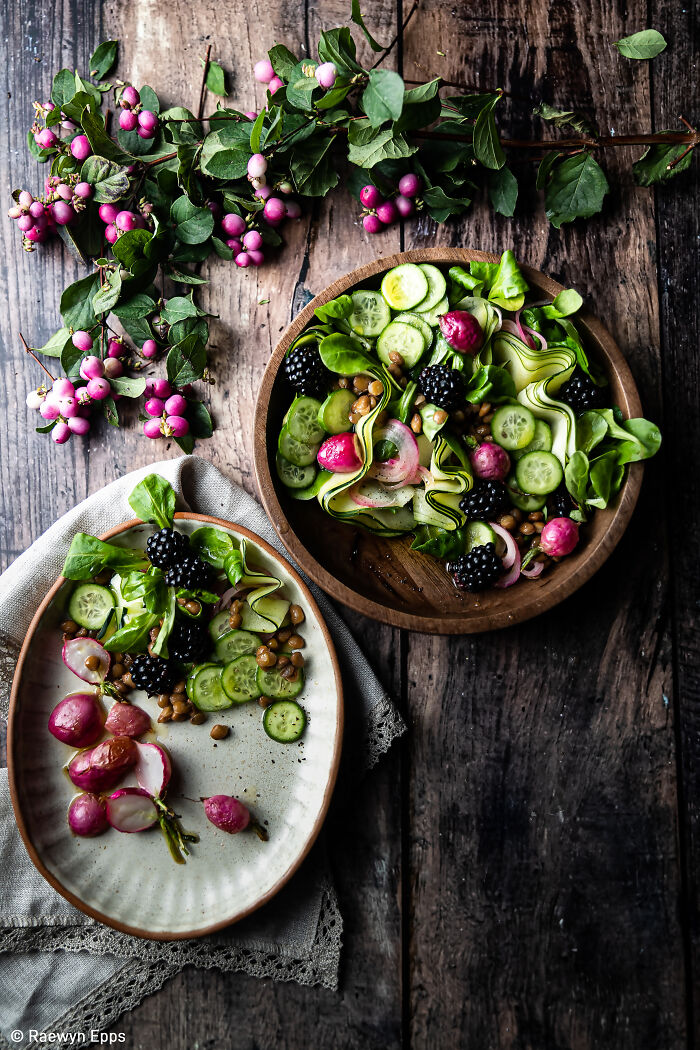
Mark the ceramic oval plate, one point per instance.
(130, 882)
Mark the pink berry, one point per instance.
(68, 125)
(60, 433)
(36, 210)
(234, 244)
(80, 147)
(233, 225)
(143, 133)
(175, 405)
(151, 428)
(257, 166)
(14, 212)
(78, 425)
(84, 400)
(37, 235)
(25, 223)
(242, 260)
(127, 120)
(177, 425)
(115, 348)
(326, 74)
(250, 114)
(25, 199)
(275, 84)
(62, 387)
(139, 222)
(48, 410)
(370, 196)
(149, 348)
(257, 258)
(111, 234)
(154, 406)
(162, 388)
(125, 220)
(263, 192)
(46, 139)
(62, 213)
(108, 213)
(69, 407)
(41, 222)
(215, 208)
(99, 389)
(83, 342)
(252, 239)
(274, 223)
(64, 192)
(275, 209)
(387, 213)
(35, 400)
(404, 206)
(91, 368)
(410, 185)
(113, 368)
(130, 95)
(148, 120)
(83, 190)
(372, 224)
(293, 210)
(286, 187)
(263, 71)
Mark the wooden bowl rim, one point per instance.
(567, 581)
(94, 913)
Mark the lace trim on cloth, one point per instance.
(9, 655)
(383, 727)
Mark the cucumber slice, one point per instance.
(333, 413)
(284, 722)
(292, 476)
(219, 625)
(522, 500)
(234, 644)
(205, 690)
(90, 605)
(302, 421)
(370, 313)
(272, 683)
(433, 316)
(239, 679)
(541, 442)
(402, 337)
(478, 534)
(250, 621)
(404, 286)
(539, 473)
(418, 322)
(312, 490)
(437, 287)
(513, 426)
(296, 452)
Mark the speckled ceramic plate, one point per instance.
(130, 882)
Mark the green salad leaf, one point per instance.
(430, 539)
(160, 646)
(490, 383)
(149, 587)
(336, 310)
(343, 354)
(508, 286)
(592, 482)
(88, 556)
(212, 544)
(153, 499)
(133, 637)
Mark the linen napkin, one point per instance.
(60, 971)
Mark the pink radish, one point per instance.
(77, 720)
(127, 720)
(462, 331)
(76, 654)
(87, 815)
(103, 766)
(490, 461)
(340, 454)
(131, 809)
(559, 537)
(153, 769)
(227, 813)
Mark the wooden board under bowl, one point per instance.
(383, 578)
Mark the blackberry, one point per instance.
(188, 640)
(306, 371)
(442, 386)
(152, 673)
(164, 548)
(580, 393)
(189, 572)
(486, 501)
(478, 569)
(560, 504)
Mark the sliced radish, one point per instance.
(153, 769)
(512, 553)
(76, 653)
(131, 809)
(533, 571)
(127, 720)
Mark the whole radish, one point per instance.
(77, 720)
(490, 461)
(227, 813)
(103, 766)
(559, 537)
(87, 815)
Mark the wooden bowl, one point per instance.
(383, 578)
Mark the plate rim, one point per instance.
(455, 624)
(12, 763)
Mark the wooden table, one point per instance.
(522, 870)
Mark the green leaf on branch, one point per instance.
(257, 132)
(42, 155)
(356, 17)
(382, 99)
(503, 191)
(179, 307)
(53, 347)
(312, 170)
(487, 145)
(440, 205)
(647, 44)
(188, 326)
(106, 297)
(186, 361)
(183, 277)
(63, 87)
(546, 165)
(129, 386)
(221, 248)
(653, 165)
(192, 225)
(421, 106)
(110, 180)
(129, 249)
(337, 46)
(216, 80)
(140, 305)
(226, 152)
(70, 359)
(301, 87)
(379, 146)
(137, 328)
(201, 425)
(103, 59)
(182, 125)
(565, 118)
(576, 190)
(76, 303)
(283, 61)
(470, 106)
(102, 144)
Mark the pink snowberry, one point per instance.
(91, 368)
(251, 114)
(37, 235)
(275, 84)
(387, 213)
(99, 389)
(370, 196)
(257, 258)
(125, 220)
(111, 234)
(149, 348)
(78, 425)
(151, 428)
(275, 209)
(127, 120)
(80, 147)
(45, 139)
(257, 166)
(410, 185)
(35, 400)
(233, 225)
(234, 244)
(242, 260)
(25, 199)
(25, 223)
(148, 120)
(326, 74)
(64, 192)
(69, 407)
(115, 348)
(83, 190)
(175, 405)
(252, 239)
(293, 210)
(113, 368)
(404, 206)
(215, 208)
(177, 425)
(108, 212)
(36, 209)
(14, 212)
(83, 342)
(62, 387)
(143, 133)
(154, 406)
(130, 96)
(62, 213)
(372, 224)
(162, 388)
(263, 192)
(263, 71)
(60, 433)
(48, 410)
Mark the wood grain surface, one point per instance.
(522, 872)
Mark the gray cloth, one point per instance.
(59, 970)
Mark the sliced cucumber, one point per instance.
(513, 426)
(90, 605)
(333, 413)
(234, 644)
(219, 625)
(302, 421)
(404, 286)
(405, 339)
(284, 722)
(250, 621)
(239, 679)
(437, 286)
(433, 316)
(272, 683)
(541, 442)
(370, 313)
(296, 452)
(539, 473)
(523, 500)
(312, 490)
(205, 690)
(478, 534)
(418, 322)
(292, 476)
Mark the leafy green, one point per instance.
(503, 191)
(103, 58)
(216, 80)
(661, 162)
(508, 286)
(336, 309)
(54, 346)
(133, 637)
(382, 99)
(312, 169)
(576, 189)
(186, 361)
(212, 544)
(283, 61)
(337, 46)
(76, 303)
(192, 225)
(487, 145)
(384, 145)
(148, 587)
(646, 44)
(565, 118)
(430, 539)
(490, 383)
(342, 354)
(153, 499)
(356, 17)
(107, 296)
(567, 302)
(88, 556)
(576, 476)
(160, 646)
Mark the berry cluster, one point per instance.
(37, 217)
(383, 212)
(134, 117)
(166, 409)
(119, 220)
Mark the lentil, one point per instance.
(116, 670)
(181, 686)
(484, 408)
(526, 529)
(166, 714)
(92, 663)
(395, 357)
(439, 415)
(164, 700)
(193, 608)
(362, 406)
(197, 718)
(297, 616)
(219, 732)
(416, 423)
(507, 521)
(344, 383)
(360, 384)
(297, 659)
(265, 701)
(376, 388)
(180, 708)
(234, 620)
(264, 658)
(296, 642)
(69, 626)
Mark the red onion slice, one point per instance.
(511, 577)
(512, 553)
(406, 463)
(533, 571)
(536, 335)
